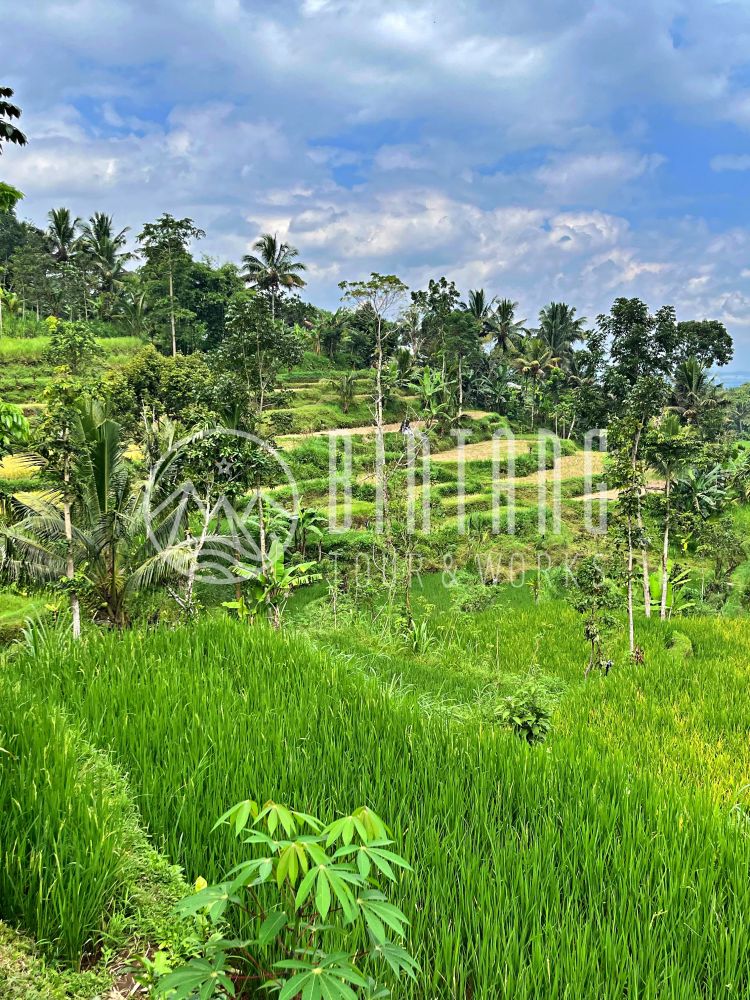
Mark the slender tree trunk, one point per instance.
(382, 481)
(261, 531)
(171, 312)
(407, 594)
(641, 533)
(631, 626)
(460, 387)
(644, 566)
(70, 570)
(665, 552)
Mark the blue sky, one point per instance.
(572, 150)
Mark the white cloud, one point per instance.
(730, 162)
(575, 175)
(465, 133)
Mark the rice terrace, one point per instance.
(374, 560)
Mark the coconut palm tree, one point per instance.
(99, 530)
(103, 249)
(505, 330)
(133, 312)
(534, 361)
(559, 329)
(481, 308)
(273, 267)
(479, 305)
(61, 233)
(99, 230)
(695, 392)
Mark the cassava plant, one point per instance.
(311, 895)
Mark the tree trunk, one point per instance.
(631, 628)
(665, 553)
(171, 312)
(641, 533)
(407, 593)
(261, 531)
(644, 566)
(75, 606)
(460, 388)
(381, 479)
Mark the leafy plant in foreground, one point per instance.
(323, 929)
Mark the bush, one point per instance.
(528, 712)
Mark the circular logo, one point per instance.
(206, 507)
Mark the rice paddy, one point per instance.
(595, 865)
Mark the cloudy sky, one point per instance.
(555, 149)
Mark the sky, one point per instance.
(573, 150)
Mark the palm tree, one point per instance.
(273, 268)
(99, 531)
(61, 233)
(694, 392)
(103, 248)
(99, 230)
(344, 385)
(533, 362)
(506, 330)
(133, 313)
(559, 329)
(479, 305)
(482, 309)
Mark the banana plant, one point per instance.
(310, 524)
(270, 587)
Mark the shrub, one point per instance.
(528, 712)
(311, 898)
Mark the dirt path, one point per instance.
(368, 429)
(653, 486)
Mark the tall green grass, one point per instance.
(559, 871)
(67, 827)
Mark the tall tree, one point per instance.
(380, 294)
(273, 268)
(506, 330)
(9, 112)
(559, 329)
(164, 244)
(102, 247)
(534, 362)
(642, 355)
(9, 196)
(61, 232)
(668, 449)
(705, 339)
(695, 394)
(248, 361)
